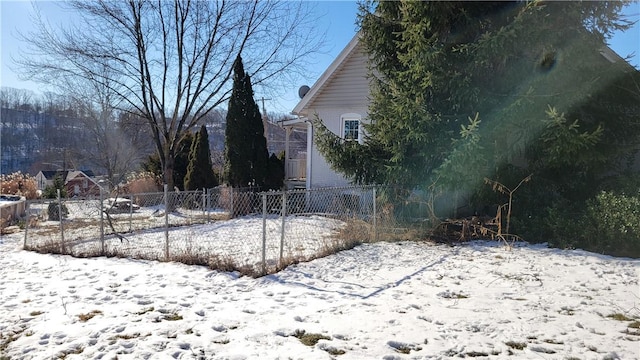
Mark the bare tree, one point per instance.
(171, 61)
(16, 99)
(106, 145)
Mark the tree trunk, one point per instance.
(168, 170)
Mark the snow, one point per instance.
(377, 301)
(239, 239)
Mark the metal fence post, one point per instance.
(166, 222)
(232, 210)
(204, 204)
(60, 216)
(375, 215)
(130, 213)
(26, 224)
(102, 221)
(283, 212)
(210, 195)
(264, 233)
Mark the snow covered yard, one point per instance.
(236, 242)
(376, 301)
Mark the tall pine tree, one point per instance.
(245, 153)
(200, 173)
(467, 90)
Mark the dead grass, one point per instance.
(552, 341)
(145, 310)
(403, 348)
(172, 317)
(619, 317)
(334, 351)
(309, 339)
(125, 336)
(516, 345)
(49, 246)
(225, 263)
(88, 316)
(7, 337)
(476, 354)
(355, 231)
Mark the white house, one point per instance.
(340, 98)
(45, 178)
(77, 183)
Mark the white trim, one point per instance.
(326, 75)
(310, 148)
(351, 117)
(293, 122)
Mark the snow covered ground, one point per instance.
(377, 301)
(239, 240)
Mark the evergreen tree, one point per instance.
(200, 169)
(245, 153)
(51, 191)
(275, 173)
(153, 164)
(464, 90)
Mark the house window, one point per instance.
(351, 127)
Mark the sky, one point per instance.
(335, 18)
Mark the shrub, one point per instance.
(19, 184)
(51, 191)
(54, 211)
(614, 221)
(144, 182)
(607, 223)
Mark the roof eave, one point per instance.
(299, 109)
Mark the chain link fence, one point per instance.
(229, 229)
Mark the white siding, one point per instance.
(348, 86)
(321, 173)
(346, 91)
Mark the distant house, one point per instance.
(340, 98)
(45, 178)
(81, 183)
(77, 182)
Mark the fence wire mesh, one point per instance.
(224, 228)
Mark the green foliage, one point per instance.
(53, 211)
(561, 143)
(51, 191)
(349, 157)
(614, 221)
(152, 165)
(275, 173)
(181, 161)
(551, 105)
(200, 173)
(245, 153)
(607, 223)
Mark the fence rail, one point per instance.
(230, 229)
